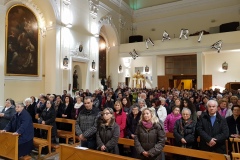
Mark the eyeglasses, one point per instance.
(106, 114)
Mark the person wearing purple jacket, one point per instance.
(171, 119)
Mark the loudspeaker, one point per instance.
(228, 27)
(136, 38)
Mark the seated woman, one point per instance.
(30, 108)
(108, 132)
(6, 114)
(149, 137)
(21, 124)
(184, 131)
(48, 118)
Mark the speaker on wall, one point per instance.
(136, 38)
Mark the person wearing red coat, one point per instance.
(120, 118)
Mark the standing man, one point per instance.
(212, 129)
(86, 124)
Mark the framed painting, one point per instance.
(21, 42)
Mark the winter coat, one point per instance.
(170, 121)
(206, 131)
(162, 113)
(132, 124)
(152, 141)
(8, 114)
(22, 124)
(184, 130)
(121, 119)
(86, 123)
(232, 124)
(49, 117)
(108, 136)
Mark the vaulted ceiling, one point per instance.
(139, 4)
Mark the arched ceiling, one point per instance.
(139, 4)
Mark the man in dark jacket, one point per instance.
(86, 124)
(212, 129)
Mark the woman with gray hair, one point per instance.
(30, 108)
(149, 137)
(184, 131)
(108, 132)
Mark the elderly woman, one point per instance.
(184, 130)
(6, 114)
(78, 106)
(149, 137)
(21, 124)
(132, 122)
(108, 132)
(30, 108)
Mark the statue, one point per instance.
(138, 80)
(109, 82)
(75, 80)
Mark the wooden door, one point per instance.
(207, 82)
(163, 81)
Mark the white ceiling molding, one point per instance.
(179, 5)
(56, 8)
(105, 7)
(124, 6)
(229, 9)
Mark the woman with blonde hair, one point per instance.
(149, 137)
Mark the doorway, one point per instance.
(183, 82)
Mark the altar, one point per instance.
(138, 80)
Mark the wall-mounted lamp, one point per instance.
(65, 62)
(93, 65)
(120, 68)
(146, 69)
(225, 66)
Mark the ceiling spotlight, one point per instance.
(147, 41)
(184, 32)
(134, 54)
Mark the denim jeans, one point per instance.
(91, 144)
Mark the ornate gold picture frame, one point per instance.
(22, 33)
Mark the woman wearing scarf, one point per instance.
(184, 130)
(149, 137)
(77, 107)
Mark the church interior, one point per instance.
(48, 46)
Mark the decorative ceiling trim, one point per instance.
(105, 7)
(56, 8)
(179, 5)
(123, 5)
(194, 15)
(93, 8)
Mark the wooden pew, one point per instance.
(41, 142)
(67, 134)
(235, 156)
(181, 151)
(68, 152)
(9, 145)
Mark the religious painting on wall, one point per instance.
(21, 42)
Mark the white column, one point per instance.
(2, 52)
(154, 71)
(200, 69)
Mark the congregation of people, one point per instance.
(103, 117)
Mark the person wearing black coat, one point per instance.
(184, 131)
(109, 103)
(212, 129)
(131, 126)
(48, 118)
(108, 133)
(30, 108)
